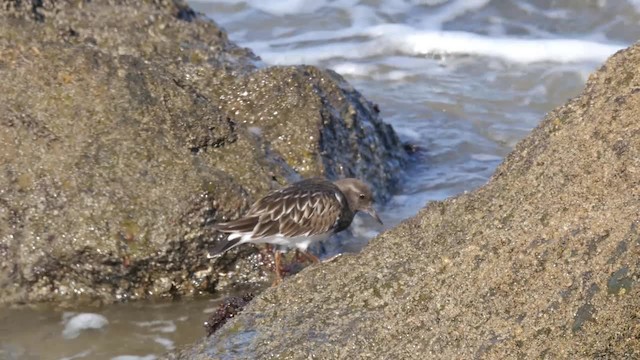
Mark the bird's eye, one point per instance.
(362, 196)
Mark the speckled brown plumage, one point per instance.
(299, 214)
(309, 207)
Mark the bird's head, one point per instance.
(359, 196)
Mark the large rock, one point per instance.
(542, 262)
(128, 127)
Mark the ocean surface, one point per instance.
(464, 80)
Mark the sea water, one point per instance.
(463, 80)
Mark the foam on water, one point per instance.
(463, 80)
(79, 355)
(406, 40)
(134, 357)
(414, 28)
(279, 7)
(163, 326)
(166, 343)
(210, 310)
(77, 323)
(403, 39)
(451, 11)
(368, 70)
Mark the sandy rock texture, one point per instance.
(128, 127)
(541, 263)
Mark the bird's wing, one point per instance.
(242, 225)
(305, 208)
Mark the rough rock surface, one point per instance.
(542, 262)
(128, 127)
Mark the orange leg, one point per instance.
(278, 262)
(314, 259)
(307, 256)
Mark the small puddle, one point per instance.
(135, 331)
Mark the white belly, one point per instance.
(300, 242)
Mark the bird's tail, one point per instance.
(223, 246)
(234, 228)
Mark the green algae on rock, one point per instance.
(118, 151)
(542, 262)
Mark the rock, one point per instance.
(230, 307)
(128, 127)
(331, 139)
(542, 262)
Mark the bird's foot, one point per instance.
(307, 255)
(314, 259)
(278, 268)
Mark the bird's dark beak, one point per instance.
(371, 211)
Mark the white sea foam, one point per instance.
(79, 322)
(163, 326)
(279, 7)
(390, 39)
(451, 11)
(210, 310)
(167, 343)
(635, 4)
(134, 357)
(486, 157)
(550, 13)
(364, 228)
(370, 70)
(409, 133)
(79, 355)
(373, 31)
(404, 39)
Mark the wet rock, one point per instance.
(339, 132)
(128, 127)
(229, 308)
(542, 262)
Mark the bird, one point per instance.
(299, 215)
